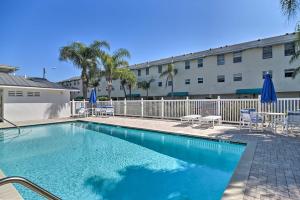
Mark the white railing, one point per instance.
(229, 109)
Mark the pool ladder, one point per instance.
(13, 124)
(30, 185)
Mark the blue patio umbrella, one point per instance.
(93, 97)
(268, 94)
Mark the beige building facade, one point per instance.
(234, 71)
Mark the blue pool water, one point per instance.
(82, 160)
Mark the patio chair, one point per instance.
(256, 122)
(82, 112)
(245, 117)
(189, 118)
(292, 120)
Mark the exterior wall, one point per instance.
(50, 104)
(251, 67)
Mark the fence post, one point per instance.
(73, 108)
(187, 106)
(162, 107)
(259, 104)
(142, 107)
(111, 102)
(219, 106)
(125, 107)
(84, 103)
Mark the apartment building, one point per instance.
(231, 71)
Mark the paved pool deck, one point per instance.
(270, 169)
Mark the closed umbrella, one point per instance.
(93, 98)
(268, 94)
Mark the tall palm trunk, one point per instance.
(84, 83)
(124, 90)
(147, 94)
(109, 89)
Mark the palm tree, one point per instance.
(290, 9)
(127, 77)
(85, 58)
(111, 64)
(170, 73)
(145, 85)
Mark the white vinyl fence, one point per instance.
(229, 109)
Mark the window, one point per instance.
(74, 82)
(159, 68)
(19, 93)
(187, 81)
(170, 83)
(265, 72)
(237, 56)
(147, 71)
(77, 82)
(221, 78)
(200, 80)
(237, 77)
(99, 90)
(289, 49)
(139, 72)
(139, 84)
(187, 64)
(160, 84)
(37, 94)
(11, 93)
(200, 62)
(288, 73)
(121, 87)
(221, 59)
(267, 52)
(30, 94)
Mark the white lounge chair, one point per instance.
(82, 112)
(190, 118)
(105, 110)
(211, 119)
(292, 120)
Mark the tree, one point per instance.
(111, 64)
(170, 73)
(85, 58)
(127, 78)
(145, 85)
(290, 9)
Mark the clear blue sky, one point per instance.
(32, 31)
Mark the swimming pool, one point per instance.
(80, 160)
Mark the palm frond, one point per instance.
(289, 7)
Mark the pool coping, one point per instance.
(236, 186)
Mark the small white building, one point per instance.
(23, 99)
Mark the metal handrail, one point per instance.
(19, 129)
(30, 185)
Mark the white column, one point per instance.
(219, 106)
(142, 107)
(187, 106)
(259, 103)
(162, 107)
(73, 108)
(125, 107)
